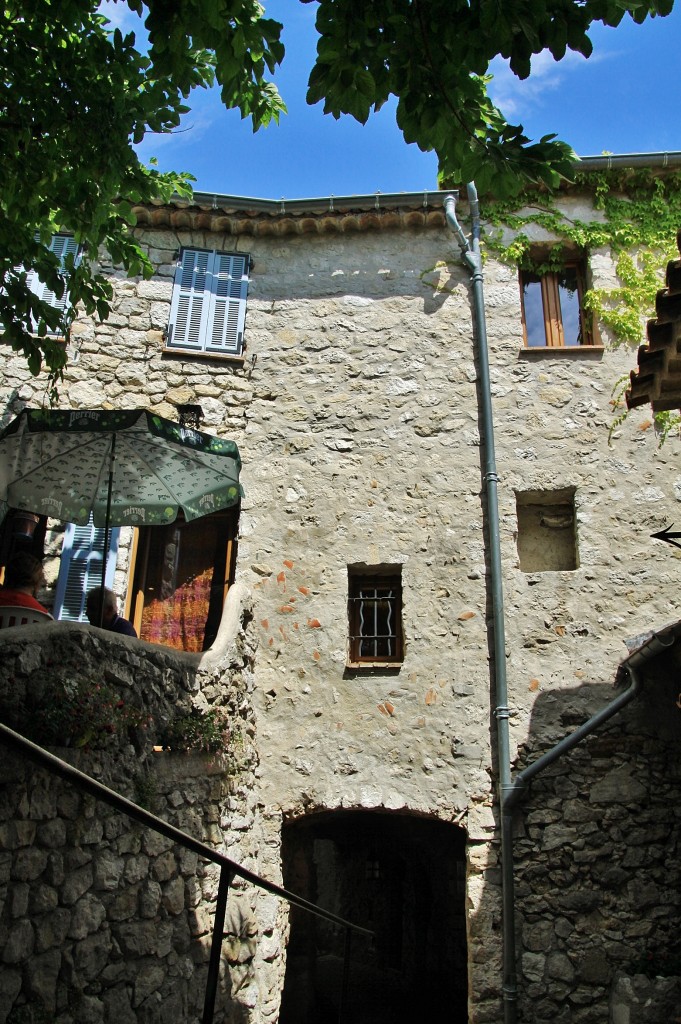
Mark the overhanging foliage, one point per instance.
(75, 96)
(640, 214)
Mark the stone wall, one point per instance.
(102, 919)
(597, 878)
(643, 1000)
(356, 413)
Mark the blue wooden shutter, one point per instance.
(189, 306)
(227, 310)
(61, 246)
(208, 308)
(81, 568)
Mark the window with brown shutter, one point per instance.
(553, 310)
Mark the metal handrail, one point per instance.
(228, 868)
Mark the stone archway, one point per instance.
(401, 876)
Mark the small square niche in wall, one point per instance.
(547, 535)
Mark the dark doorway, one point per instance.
(404, 878)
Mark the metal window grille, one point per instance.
(375, 605)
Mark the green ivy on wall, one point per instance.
(640, 211)
(639, 215)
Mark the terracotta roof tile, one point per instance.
(658, 378)
(333, 215)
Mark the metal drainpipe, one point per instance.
(427, 198)
(650, 649)
(471, 254)
(511, 792)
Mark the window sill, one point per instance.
(369, 666)
(562, 351)
(59, 339)
(213, 357)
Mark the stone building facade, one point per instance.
(355, 405)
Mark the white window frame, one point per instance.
(208, 307)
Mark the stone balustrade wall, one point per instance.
(102, 919)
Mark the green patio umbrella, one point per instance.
(127, 467)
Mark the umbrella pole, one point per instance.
(107, 525)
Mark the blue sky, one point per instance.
(623, 99)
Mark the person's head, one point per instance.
(93, 604)
(24, 572)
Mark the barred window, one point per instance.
(375, 616)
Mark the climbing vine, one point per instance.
(638, 217)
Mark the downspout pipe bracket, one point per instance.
(474, 263)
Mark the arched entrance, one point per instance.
(399, 875)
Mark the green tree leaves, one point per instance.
(74, 97)
(434, 55)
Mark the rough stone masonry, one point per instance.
(355, 407)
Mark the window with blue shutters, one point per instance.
(208, 308)
(62, 246)
(80, 568)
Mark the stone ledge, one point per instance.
(562, 350)
(177, 353)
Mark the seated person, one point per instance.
(23, 579)
(107, 617)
